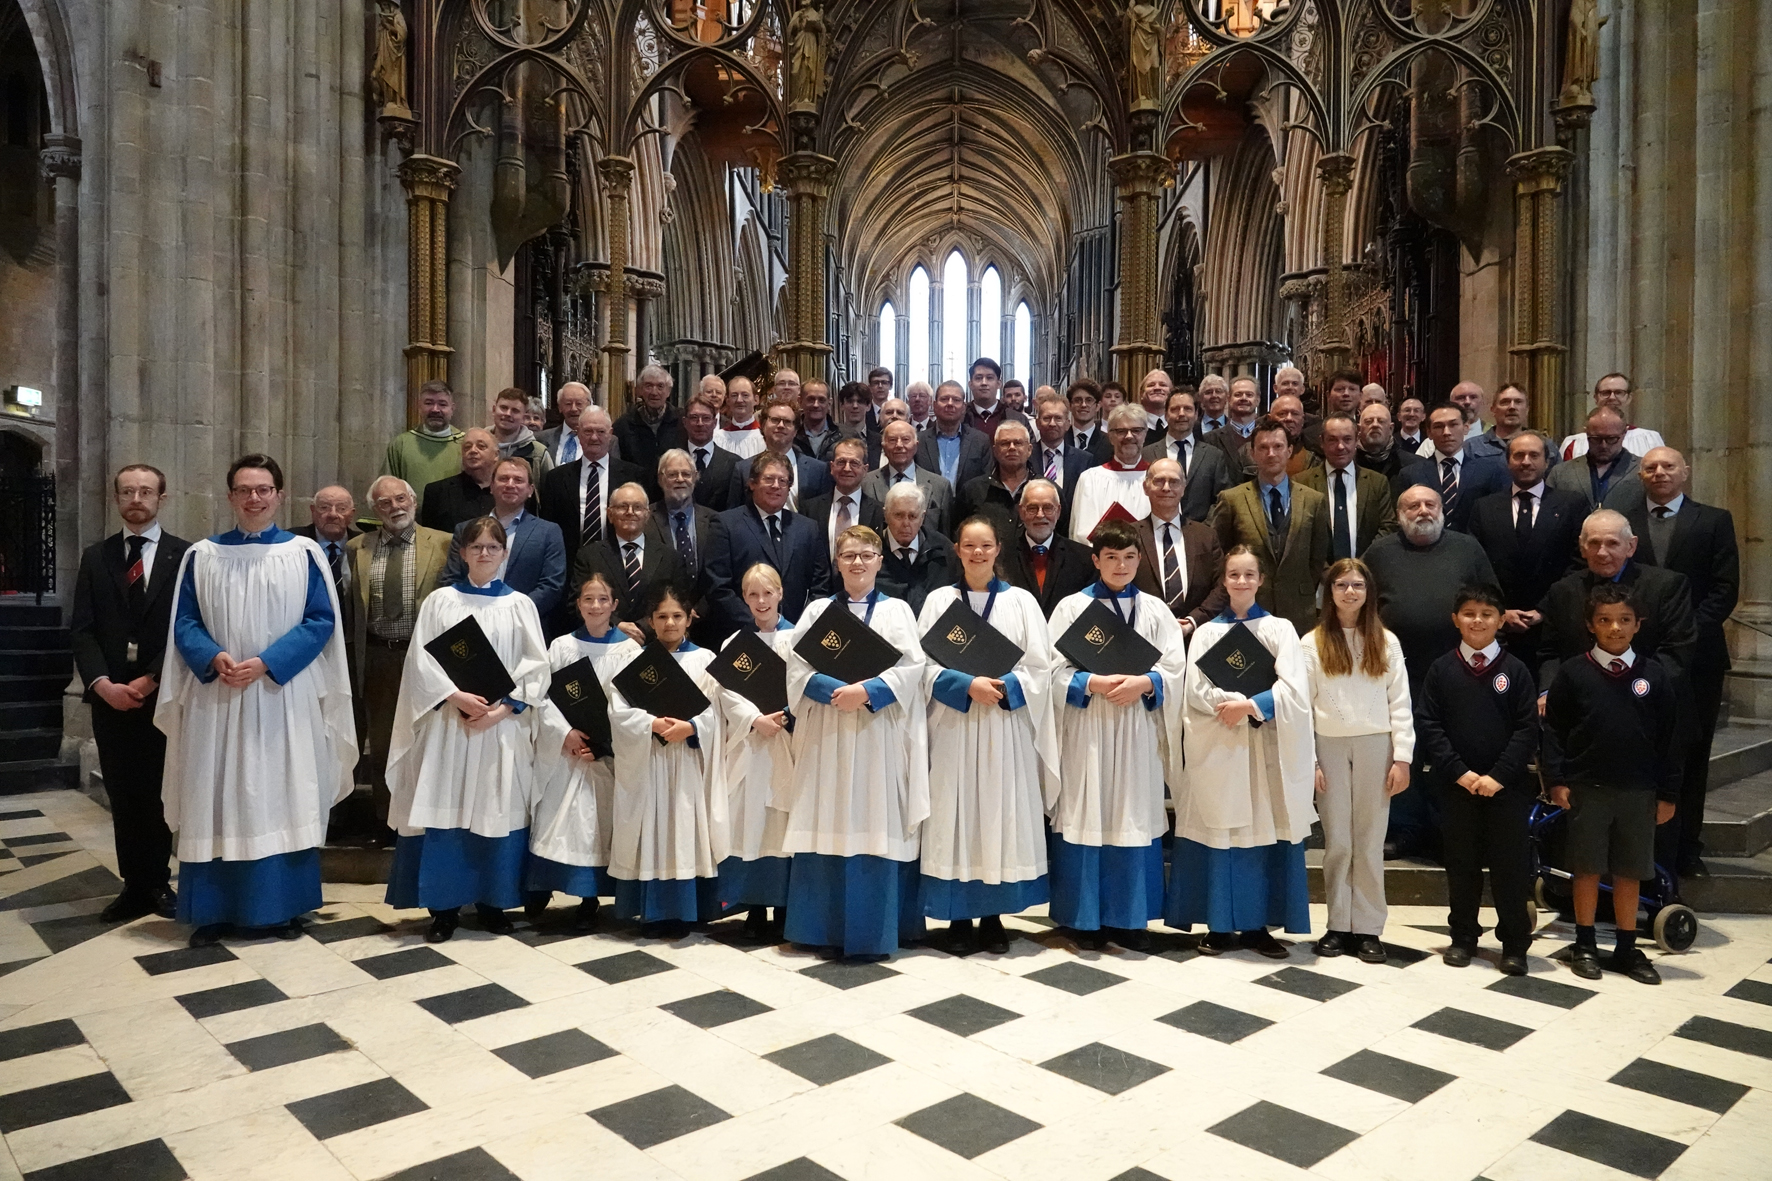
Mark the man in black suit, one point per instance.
(811, 477)
(467, 494)
(767, 531)
(1179, 561)
(953, 450)
(713, 464)
(994, 494)
(649, 427)
(1153, 395)
(1462, 480)
(917, 558)
(845, 504)
(688, 528)
(1532, 536)
(1056, 457)
(576, 495)
(333, 514)
(1233, 437)
(1088, 433)
(1206, 469)
(1698, 540)
(122, 609)
(633, 554)
(1380, 452)
(1039, 559)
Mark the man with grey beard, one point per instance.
(1419, 570)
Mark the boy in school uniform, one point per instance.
(1477, 722)
(1612, 758)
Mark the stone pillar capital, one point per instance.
(617, 172)
(429, 177)
(807, 173)
(1140, 173)
(1336, 171)
(60, 157)
(1541, 169)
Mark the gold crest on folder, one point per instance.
(957, 635)
(574, 690)
(649, 675)
(832, 641)
(1096, 636)
(1237, 661)
(745, 664)
(460, 649)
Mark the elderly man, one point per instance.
(1361, 509)
(1088, 432)
(1285, 525)
(1471, 401)
(898, 455)
(688, 527)
(920, 397)
(1419, 570)
(1289, 379)
(1412, 425)
(994, 495)
(918, 558)
(1613, 390)
(1678, 533)
(468, 493)
(891, 410)
(1380, 452)
(956, 450)
(1530, 533)
(510, 428)
(1604, 475)
(649, 427)
(1373, 392)
(1040, 559)
(1460, 479)
(1153, 395)
(430, 451)
(332, 521)
(535, 551)
(818, 431)
(811, 477)
(713, 388)
(1118, 481)
(393, 569)
(1179, 561)
(784, 386)
(739, 432)
(1289, 409)
(633, 555)
(1206, 469)
(562, 441)
(576, 496)
(1055, 458)
(1214, 402)
(1233, 437)
(765, 530)
(713, 464)
(847, 503)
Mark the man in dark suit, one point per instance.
(1531, 533)
(576, 496)
(1205, 469)
(1461, 480)
(122, 610)
(811, 478)
(1698, 540)
(1087, 431)
(535, 552)
(898, 444)
(1380, 452)
(1055, 457)
(1039, 559)
(649, 427)
(994, 494)
(917, 558)
(333, 514)
(713, 464)
(688, 528)
(1361, 508)
(847, 503)
(1233, 437)
(634, 555)
(1179, 561)
(953, 449)
(1285, 525)
(767, 531)
(467, 494)
(1606, 477)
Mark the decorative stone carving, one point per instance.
(1581, 55)
(1144, 37)
(387, 72)
(60, 157)
(806, 37)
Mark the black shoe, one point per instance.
(584, 919)
(441, 928)
(830, 953)
(1585, 962)
(494, 921)
(295, 928)
(961, 938)
(866, 959)
(1457, 956)
(210, 935)
(1371, 950)
(778, 922)
(1090, 940)
(1329, 946)
(1262, 942)
(756, 924)
(992, 935)
(1693, 868)
(1133, 938)
(1636, 966)
(127, 907)
(165, 902)
(1513, 963)
(1217, 943)
(535, 903)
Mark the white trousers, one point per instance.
(1354, 811)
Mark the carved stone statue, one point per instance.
(806, 37)
(1145, 52)
(1581, 56)
(387, 73)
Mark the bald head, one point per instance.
(331, 511)
(1664, 473)
(479, 451)
(1469, 397)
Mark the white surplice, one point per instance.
(440, 773)
(1114, 759)
(1244, 786)
(1097, 488)
(759, 769)
(861, 778)
(254, 772)
(992, 772)
(670, 800)
(575, 798)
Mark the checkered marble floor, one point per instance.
(361, 1052)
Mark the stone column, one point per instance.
(1336, 171)
(429, 181)
(901, 350)
(618, 174)
(1138, 181)
(975, 342)
(60, 164)
(808, 178)
(1537, 347)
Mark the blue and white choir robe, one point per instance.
(1108, 823)
(993, 771)
(252, 774)
(460, 798)
(860, 793)
(575, 797)
(1245, 803)
(669, 831)
(759, 777)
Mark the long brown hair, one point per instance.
(1332, 650)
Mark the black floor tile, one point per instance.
(40, 838)
(1077, 979)
(845, 975)
(1474, 1028)
(71, 1097)
(26, 814)
(553, 1052)
(213, 1002)
(28, 860)
(8, 855)
(61, 934)
(343, 929)
(963, 1015)
(653, 1118)
(1615, 1145)
(716, 1008)
(476, 1164)
(1752, 990)
(1545, 992)
(1136, 1174)
(1105, 1068)
(286, 1046)
(1311, 985)
(404, 963)
(39, 1039)
(1216, 1022)
(1389, 1076)
(629, 965)
(825, 1060)
(1399, 956)
(1728, 1035)
(480, 1001)
(150, 1160)
(12, 966)
(96, 882)
(363, 1106)
(967, 1125)
(162, 962)
(796, 1170)
(1680, 1085)
(1284, 1134)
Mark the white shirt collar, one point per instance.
(1467, 653)
(1604, 658)
(913, 545)
(1536, 491)
(1045, 541)
(152, 532)
(638, 540)
(1157, 523)
(1457, 458)
(1673, 505)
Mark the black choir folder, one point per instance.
(839, 645)
(751, 668)
(575, 691)
(467, 657)
(964, 641)
(655, 682)
(1240, 663)
(1104, 645)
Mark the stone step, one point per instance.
(1739, 750)
(39, 742)
(30, 715)
(33, 686)
(41, 661)
(28, 614)
(22, 776)
(48, 639)
(1738, 816)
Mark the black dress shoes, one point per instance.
(1457, 956)
(992, 935)
(1262, 942)
(165, 902)
(1371, 950)
(128, 906)
(494, 921)
(1513, 963)
(1693, 868)
(442, 927)
(1133, 938)
(1585, 962)
(1636, 965)
(1217, 943)
(962, 938)
(210, 935)
(1330, 945)
(584, 919)
(535, 903)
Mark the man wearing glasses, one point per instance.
(765, 530)
(1118, 481)
(1606, 476)
(1614, 390)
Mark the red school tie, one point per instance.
(1478, 661)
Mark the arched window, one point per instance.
(919, 317)
(1024, 345)
(953, 320)
(990, 318)
(888, 338)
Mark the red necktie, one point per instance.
(1039, 563)
(1478, 661)
(1617, 666)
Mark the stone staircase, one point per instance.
(36, 662)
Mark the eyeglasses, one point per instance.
(627, 509)
(1593, 439)
(1126, 430)
(484, 549)
(856, 556)
(260, 492)
(1344, 587)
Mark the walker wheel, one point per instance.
(1675, 927)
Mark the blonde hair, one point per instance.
(860, 535)
(760, 572)
(1333, 653)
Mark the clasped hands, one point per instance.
(127, 696)
(237, 674)
(1121, 688)
(477, 713)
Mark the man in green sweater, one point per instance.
(431, 450)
